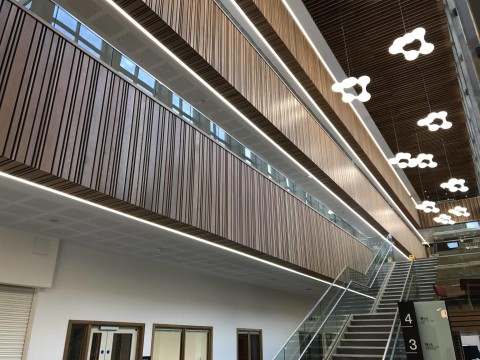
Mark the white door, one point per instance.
(112, 343)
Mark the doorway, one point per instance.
(94, 340)
(112, 343)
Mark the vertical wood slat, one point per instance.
(155, 162)
(231, 65)
(275, 23)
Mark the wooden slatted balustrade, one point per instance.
(203, 37)
(69, 122)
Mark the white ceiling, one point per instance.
(32, 209)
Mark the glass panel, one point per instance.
(90, 37)
(317, 333)
(167, 344)
(146, 78)
(65, 32)
(88, 47)
(121, 347)
(255, 346)
(95, 347)
(127, 64)
(242, 346)
(66, 19)
(196, 344)
(75, 343)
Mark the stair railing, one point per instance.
(395, 329)
(346, 282)
(337, 318)
(382, 289)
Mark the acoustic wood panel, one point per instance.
(464, 320)
(69, 122)
(201, 35)
(273, 20)
(472, 205)
(359, 33)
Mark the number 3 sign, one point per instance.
(411, 336)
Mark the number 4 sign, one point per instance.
(411, 336)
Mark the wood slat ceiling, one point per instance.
(359, 32)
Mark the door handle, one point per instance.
(108, 352)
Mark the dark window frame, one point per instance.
(249, 332)
(184, 329)
(90, 323)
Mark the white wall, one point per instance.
(94, 285)
(26, 259)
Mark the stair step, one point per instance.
(387, 304)
(356, 356)
(372, 350)
(387, 309)
(363, 342)
(358, 322)
(369, 328)
(367, 335)
(375, 316)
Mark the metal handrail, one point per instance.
(396, 314)
(324, 321)
(368, 284)
(310, 312)
(385, 243)
(381, 290)
(375, 277)
(327, 292)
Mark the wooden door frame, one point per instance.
(184, 328)
(89, 323)
(249, 348)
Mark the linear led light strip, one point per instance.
(233, 108)
(146, 222)
(312, 45)
(313, 103)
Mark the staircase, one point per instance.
(425, 277)
(350, 292)
(366, 335)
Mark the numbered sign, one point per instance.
(411, 336)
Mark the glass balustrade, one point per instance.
(351, 293)
(98, 48)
